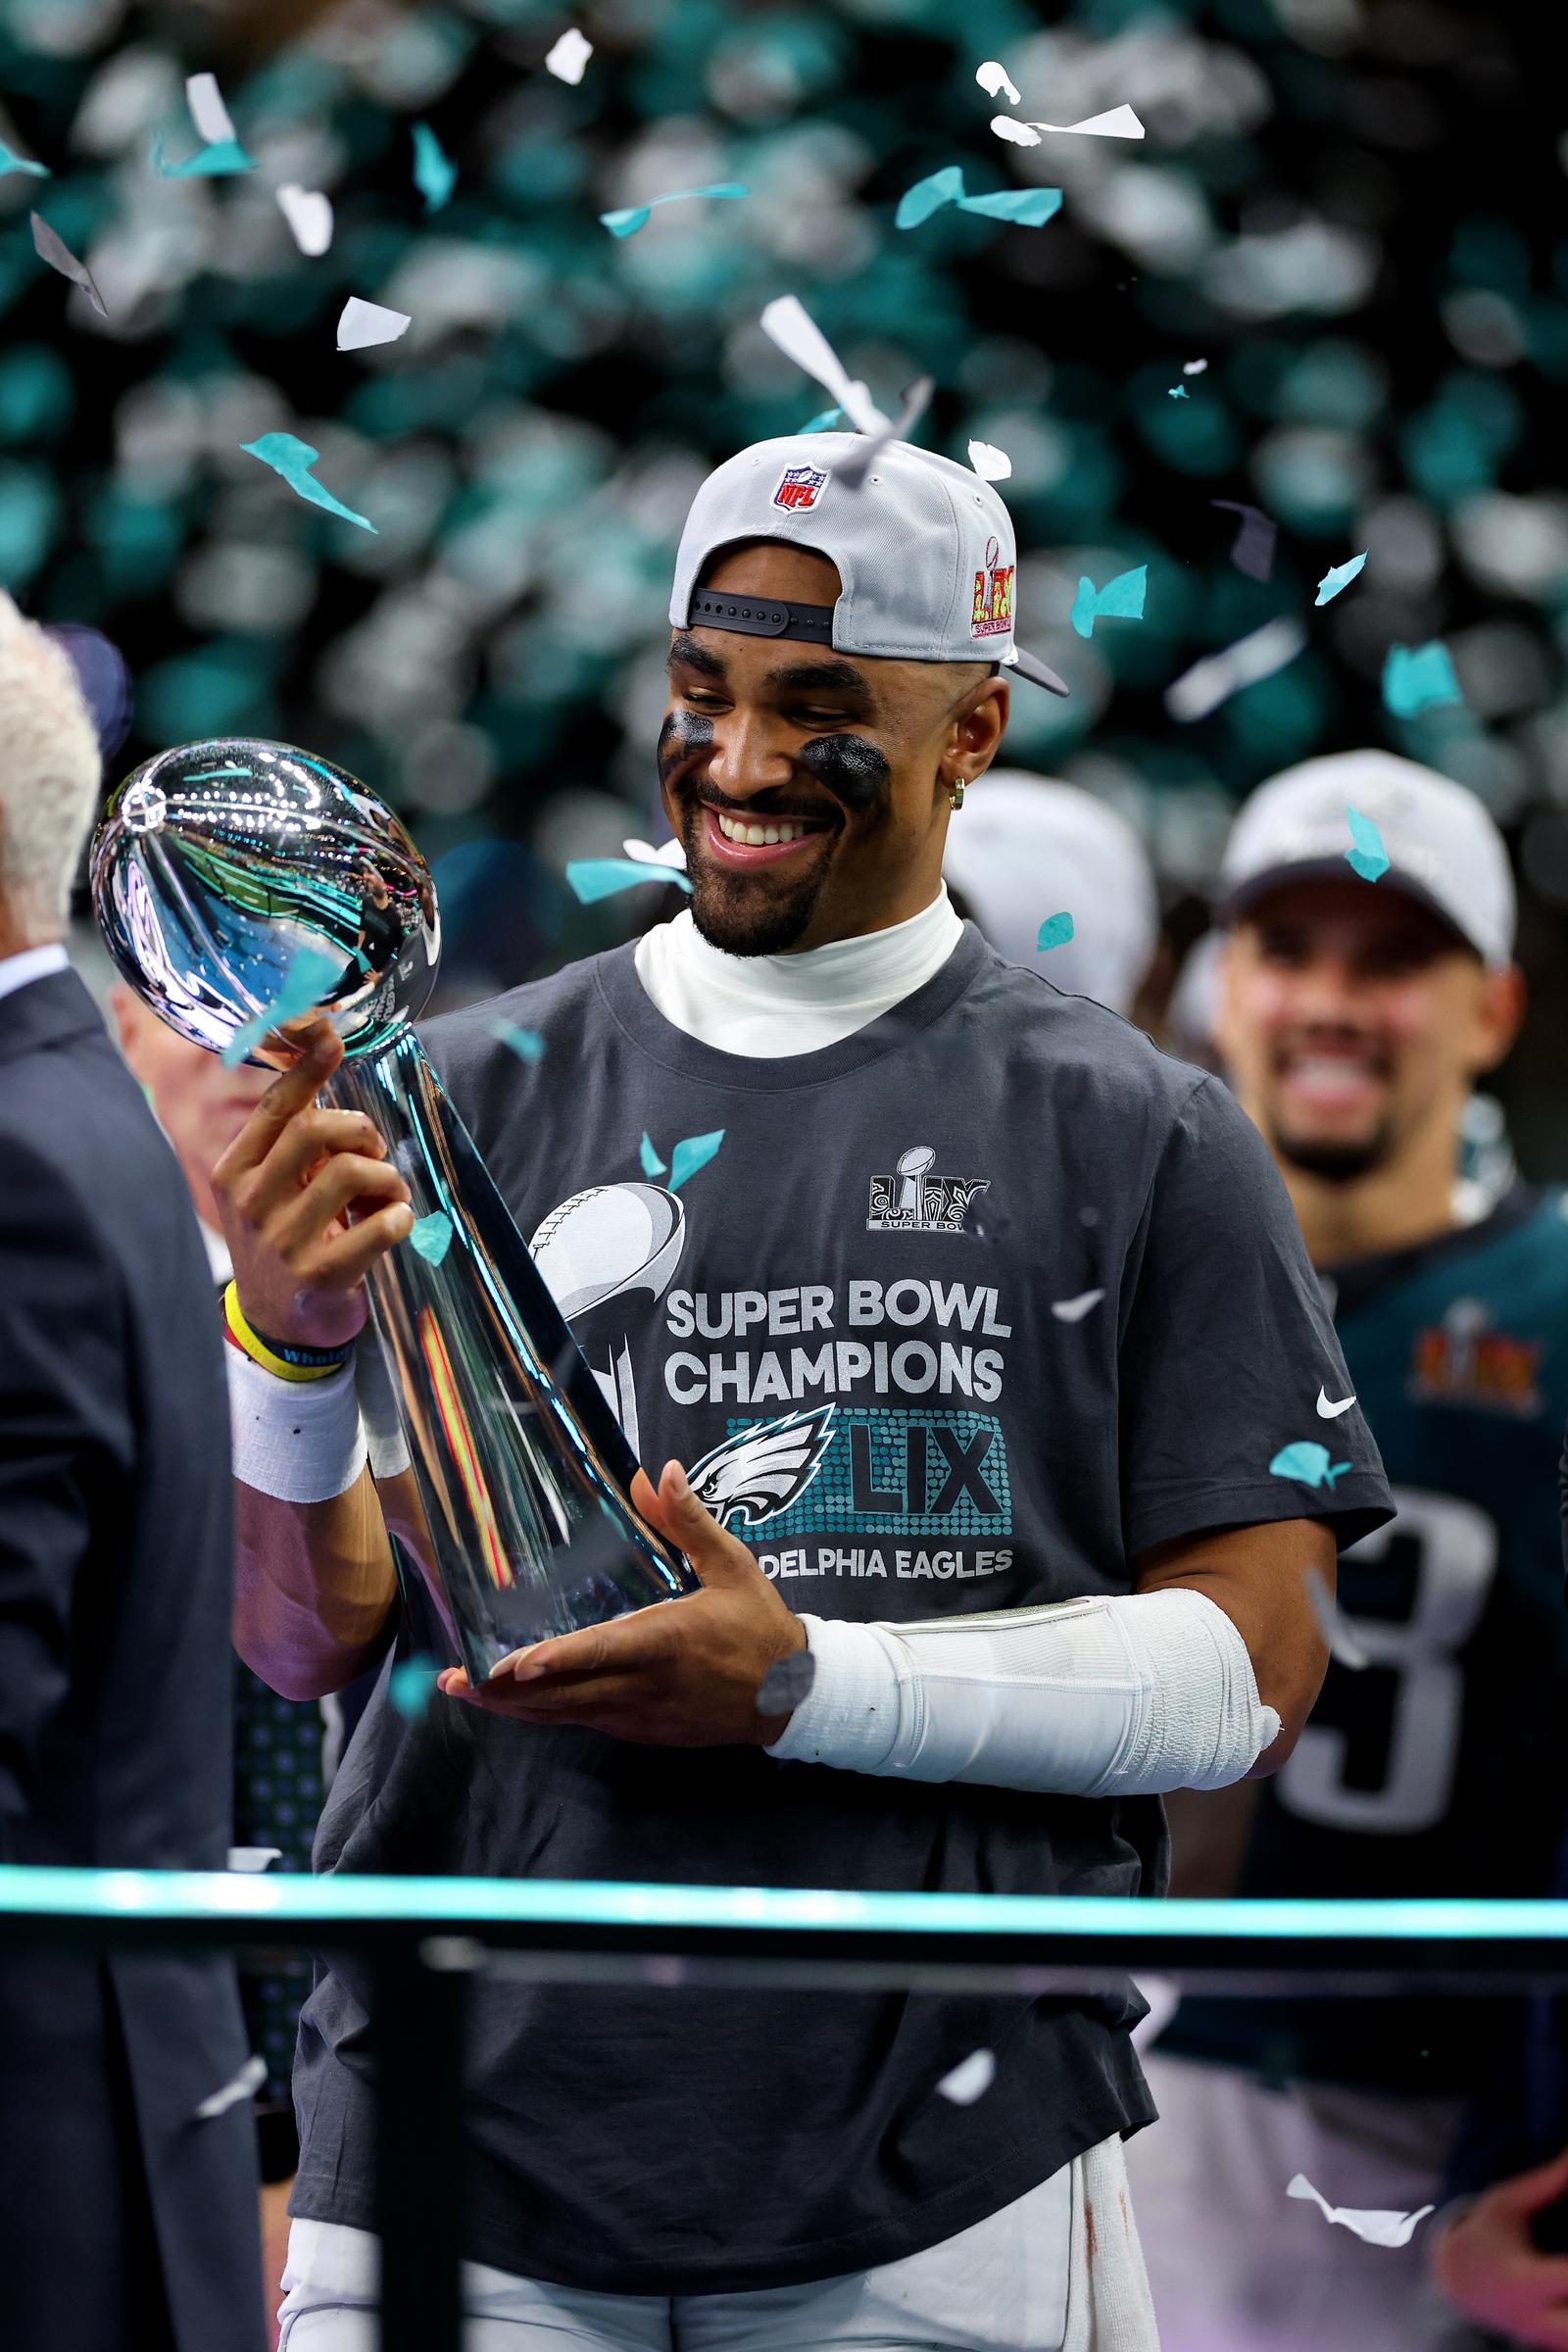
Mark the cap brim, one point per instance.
(1030, 667)
(1241, 897)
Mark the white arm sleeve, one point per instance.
(1128, 1696)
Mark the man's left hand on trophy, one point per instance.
(683, 1675)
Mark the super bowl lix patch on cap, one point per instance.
(992, 595)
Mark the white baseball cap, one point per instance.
(924, 550)
(1441, 844)
(1026, 845)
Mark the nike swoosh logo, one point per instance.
(1073, 1310)
(1331, 1412)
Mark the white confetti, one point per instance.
(1218, 676)
(1374, 2225)
(853, 470)
(1073, 1310)
(54, 251)
(1334, 1625)
(1117, 122)
(1193, 366)
(243, 2085)
(971, 2078)
(252, 1857)
(993, 78)
(309, 214)
(668, 853)
(991, 463)
(207, 109)
(362, 324)
(788, 324)
(570, 54)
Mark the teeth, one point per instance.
(1321, 1066)
(757, 836)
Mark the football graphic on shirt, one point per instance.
(600, 1244)
(610, 1239)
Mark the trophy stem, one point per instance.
(522, 1469)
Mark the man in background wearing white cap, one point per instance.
(983, 1305)
(1026, 839)
(1355, 1016)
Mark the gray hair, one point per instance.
(50, 770)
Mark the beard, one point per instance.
(1335, 1161)
(735, 912)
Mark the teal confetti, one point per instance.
(823, 421)
(1178, 392)
(1120, 599)
(1309, 1461)
(1338, 577)
(527, 1044)
(1418, 677)
(217, 161)
(1055, 931)
(309, 980)
(1024, 208)
(928, 196)
(652, 1164)
(694, 1151)
(1367, 855)
(432, 1236)
(601, 877)
(11, 160)
(292, 457)
(411, 1687)
(435, 175)
(632, 217)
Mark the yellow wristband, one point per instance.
(259, 1352)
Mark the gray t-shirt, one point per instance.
(876, 1255)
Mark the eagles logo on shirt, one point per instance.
(913, 1201)
(1463, 1361)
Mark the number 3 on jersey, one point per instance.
(1450, 1547)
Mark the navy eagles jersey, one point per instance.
(1440, 1768)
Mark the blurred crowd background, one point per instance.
(1351, 210)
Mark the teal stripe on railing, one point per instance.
(1140, 1922)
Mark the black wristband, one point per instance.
(308, 1359)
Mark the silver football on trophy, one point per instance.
(235, 878)
(245, 887)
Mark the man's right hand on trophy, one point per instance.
(308, 1203)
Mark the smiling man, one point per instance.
(979, 1335)
(1354, 1020)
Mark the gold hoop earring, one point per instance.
(956, 794)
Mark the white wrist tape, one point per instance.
(299, 1441)
(1126, 1695)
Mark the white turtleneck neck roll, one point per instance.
(768, 1006)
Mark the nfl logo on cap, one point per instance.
(800, 487)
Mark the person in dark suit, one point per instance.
(128, 2219)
